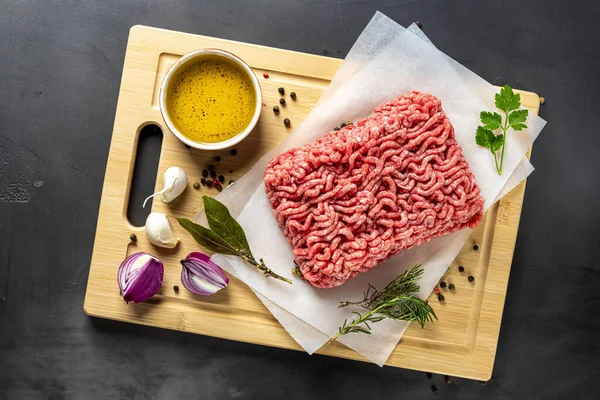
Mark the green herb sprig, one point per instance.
(395, 301)
(514, 118)
(225, 236)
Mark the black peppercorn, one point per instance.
(211, 167)
(443, 285)
(233, 152)
(203, 181)
(218, 158)
(451, 286)
(276, 109)
(336, 129)
(133, 237)
(343, 125)
(213, 174)
(204, 173)
(475, 247)
(418, 23)
(293, 95)
(471, 278)
(441, 297)
(282, 101)
(447, 379)
(287, 122)
(429, 375)
(281, 90)
(221, 178)
(176, 288)
(219, 187)
(196, 185)
(209, 183)
(461, 269)
(434, 389)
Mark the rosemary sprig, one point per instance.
(394, 301)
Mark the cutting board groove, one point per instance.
(462, 343)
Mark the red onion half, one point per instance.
(202, 276)
(140, 277)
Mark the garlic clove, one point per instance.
(201, 276)
(175, 179)
(174, 183)
(140, 277)
(159, 231)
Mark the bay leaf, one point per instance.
(207, 238)
(223, 224)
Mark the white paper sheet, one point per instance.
(388, 61)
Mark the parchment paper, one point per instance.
(386, 61)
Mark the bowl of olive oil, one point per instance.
(210, 99)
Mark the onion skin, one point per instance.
(201, 276)
(140, 277)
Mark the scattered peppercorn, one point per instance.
(204, 173)
(287, 122)
(176, 288)
(265, 75)
(221, 178)
(434, 389)
(215, 182)
(213, 174)
(482, 383)
(203, 181)
(133, 237)
(471, 278)
(542, 100)
(209, 183)
(436, 289)
(231, 183)
(276, 109)
(233, 152)
(429, 375)
(447, 379)
(293, 95)
(218, 158)
(336, 129)
(343, 125)
(282, 101)
(443, 285)
(418, 23)
(196, 185)
(440, 297)
(461, 268)
(211, 167)
(475, 247)
(451, 286)
(281, 90)
(187, 147)
(219, 187)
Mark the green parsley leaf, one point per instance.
(507, 100)
(516, 119)
(496, 143)
(491, 121)
(487, 139)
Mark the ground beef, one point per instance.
(360, 195)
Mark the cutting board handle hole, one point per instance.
(143, 180)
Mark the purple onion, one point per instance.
(140, 277)
(202, 276)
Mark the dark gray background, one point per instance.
(60, 70)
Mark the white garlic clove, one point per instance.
(174, 183)
(159, 231)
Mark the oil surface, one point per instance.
(211, 100)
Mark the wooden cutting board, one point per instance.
(463, 341)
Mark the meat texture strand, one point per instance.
(365, 193)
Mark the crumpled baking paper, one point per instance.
(386, 61)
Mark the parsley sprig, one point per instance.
(514, 118)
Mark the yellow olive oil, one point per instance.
(211, 100)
